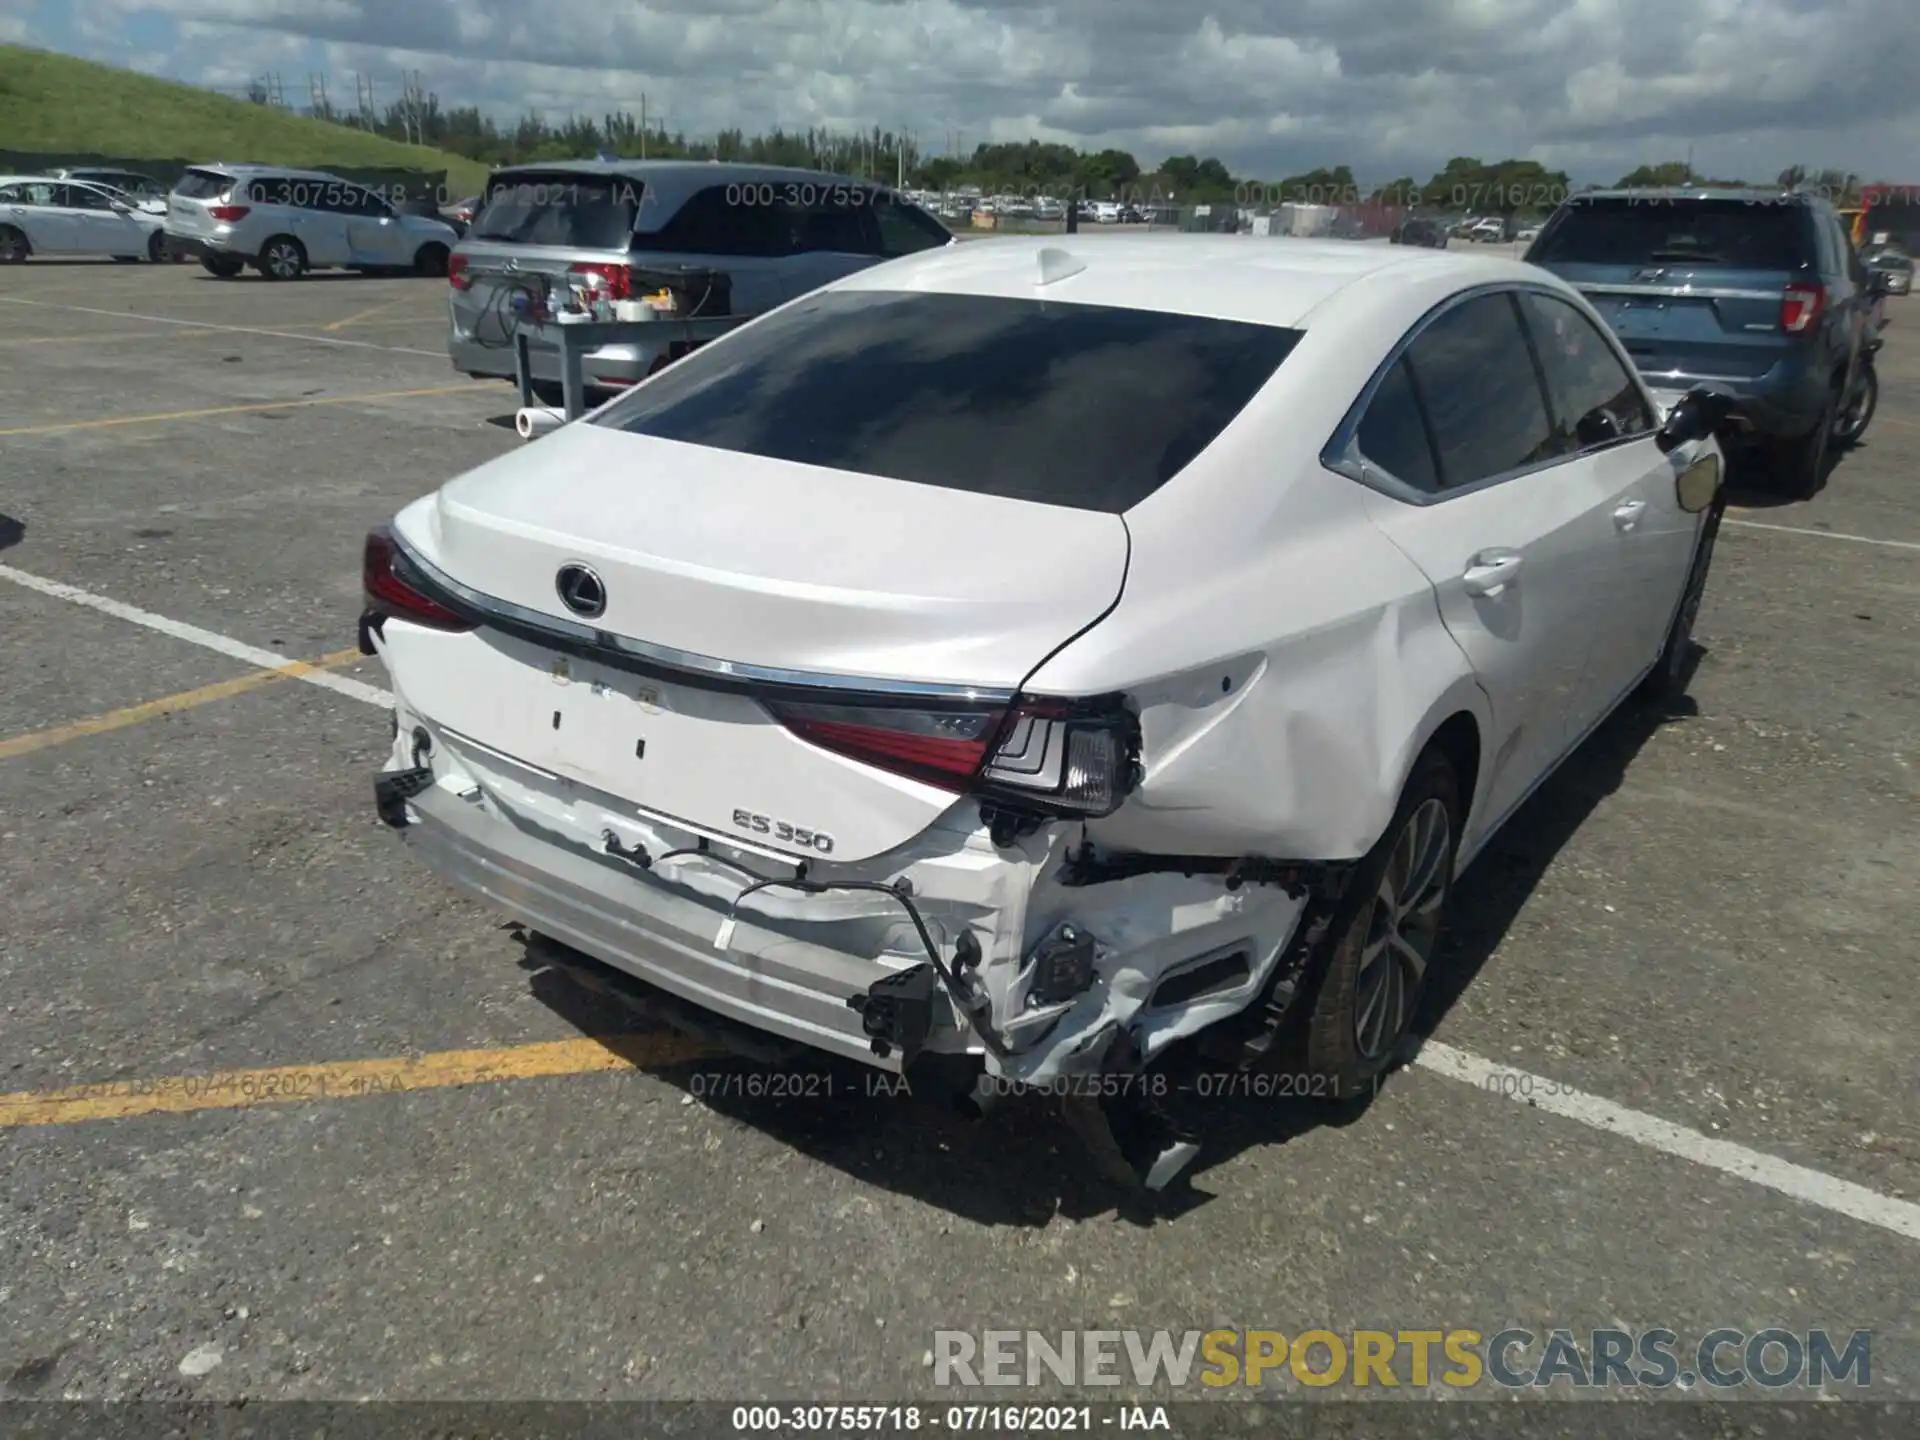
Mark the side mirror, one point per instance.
(1699, 413)
(120, 207)
(1698, 484)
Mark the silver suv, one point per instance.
(287, 222)
(775, 233)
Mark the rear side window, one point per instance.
(1393, 434)
(203, 184)
(1594, 397)
(741, 219)
(1757, 234)
(832, 223)
(1085, 406)
(905, 228)
(580, 212)
(1476, 377)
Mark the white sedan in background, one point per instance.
(1019, 659)
(44, 216)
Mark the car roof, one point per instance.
(1772, 194)
(704, 171)
(1265, 280)
(248, 170)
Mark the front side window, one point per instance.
(84, 197)
(1594, 396)
(1482, 396)
(1091, 407)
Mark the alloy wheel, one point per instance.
(1402, 930)
(283, 261)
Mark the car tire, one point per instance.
(14, 245)
(431, 261)
(1854, 420)
(1379, 948)
(1800, 466)
(1667, 681)
(282, 258)
(157, 247)
(221, 267)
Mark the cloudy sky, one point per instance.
(1271, 86)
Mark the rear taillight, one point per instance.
(457, 275)
(227, 214)
(1801, 306)
(389, 580)
(615, 281)
(1046, 757)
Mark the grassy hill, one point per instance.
(58, 104)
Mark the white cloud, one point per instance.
(1272, 86)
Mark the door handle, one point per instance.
(1491, 571)
(1627, 513)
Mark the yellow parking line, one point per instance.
(153, 709)
(359, 315)
(171, 415)
(347, 1079)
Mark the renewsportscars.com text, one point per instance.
(1606, 1358)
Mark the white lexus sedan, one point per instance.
(1036, 653)
(44, 216)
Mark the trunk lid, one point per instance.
(754, 561)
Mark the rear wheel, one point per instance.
(157, 246)
(282, 258)
(1800, 466)
(223, 267)
(14, 246)
(1859, 409)
(1385, 934)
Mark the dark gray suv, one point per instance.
(1755, 293)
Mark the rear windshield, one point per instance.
(581, 212)
(1760, 234)
(1087, 406)
(203, 184)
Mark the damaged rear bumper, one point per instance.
(1045, 966)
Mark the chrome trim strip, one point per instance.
(1684, 292)
(571, 635)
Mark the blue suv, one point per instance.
(1757, 294)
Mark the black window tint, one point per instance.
(831, 223)
(274, 190)
(84, 197)
(905, 228)
(203, 184)
(582, 212)
(1088, 406)
(1393, 434)
(1757, 234)
(1482, 395)
(1594, 396)
(726, 220)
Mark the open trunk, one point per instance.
(762, 602)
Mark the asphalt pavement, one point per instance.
(285, 1118)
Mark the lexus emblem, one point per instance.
(581, 591)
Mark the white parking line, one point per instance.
(1824, 534)
(1813, 1186)
(1828, 1192)
(231, 329)
(194, 635)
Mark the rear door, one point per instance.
(532, 228)
(1515, 535)
(50, 222)
(1691, 286)
(745, 228)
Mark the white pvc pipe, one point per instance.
(537, 420)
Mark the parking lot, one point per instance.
(286, 1118)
